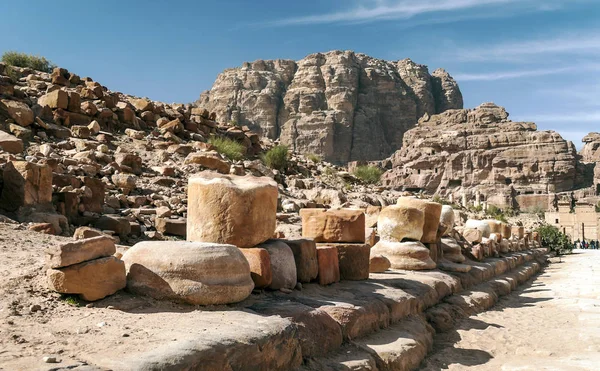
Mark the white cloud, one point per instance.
(505, 75)
(574, 118)
(399, 9)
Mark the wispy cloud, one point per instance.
(371, 11)
(576, 117)
(507, 75)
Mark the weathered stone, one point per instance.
(260, 266)
(18, 111)
(431, 215)
(231, 209)
(333, 225)
(329, 267)
(10, 143)
(378, 264)
(305, 257)
(447, 219)
(86, 232)
(70, 253)
(25, 184)
(472, 235)
(452, 250)
(481, 225)
(126, 182)
(397, 223)
(80, 131)
(209, 160)
(55, 99)
(353, 260)
(193, 272)
(175, 227)
(404, 255)
(506, 230)
(283, 268)
(131, 161)
(518, 231)
(117, 224)
(92, 280)
(46, 228)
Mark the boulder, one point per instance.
(411, 255)
(447, 219)
(10, 143)
(397, 223)
(329, 267)
(504, 246)
(283, 267)
(25, 184)
(333, 225)
(431, 214)
(174, 227)
(192, 272)
(452, 250)
(260, 266)
(481, 225)
(495, 227)
(58, 256)
(18, 111)
(92, 279)
(472, 235)
(119, 225)
(305, 257)
(86, 232)
(231, 209)
(353, 260)
(378, 264)
(518, 231)
(55, 99)
(506, 231)
(209, 160)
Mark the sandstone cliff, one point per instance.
(341, 105)
(481, 151)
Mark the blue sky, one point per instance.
(538, 58)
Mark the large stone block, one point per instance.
(260, 266)
(353, 260)
(452, 250)
(481, 225)
(397, 223)
(305, 257)
(329, 266)
(55, 99)
(231, 209)
(333, 225)
(18, 111)
(92, 279)
(506, 231)
(75, 252)
(495, 226)
(447, 219)
(283, 267)
(431, 214)
(193, 272)
(405, 255)
(518, 231)
(25, 184)
(175, 227)
(10, 143)
(472, 235)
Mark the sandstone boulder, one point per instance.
(231, 209)
(55, 99)
(209, 160)
(92, 279)
(333, 225)
(260, 266)
(378, 264)
(193, 272)
(495, 226)
(353, 260)
(518, 231)
(472, 235)
(452, 250)
(18, 111)
(305, 257)
(329, 266)
(481, 225)
(396, 223)
(283, 267)
(447, 219)
(10, 143)
(404, 255)
(71, 253)
(25, 184)
(431, 214)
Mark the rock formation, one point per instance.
(341, 105)
(480, 151)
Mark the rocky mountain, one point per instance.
(341, 105)
(480, 152)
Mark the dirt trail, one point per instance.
(552, 323)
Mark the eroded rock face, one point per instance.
(480, 150)
(341, 105)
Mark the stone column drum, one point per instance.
(230, 209)
(431, 214)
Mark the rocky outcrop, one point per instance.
(481, 152)
(341, 105)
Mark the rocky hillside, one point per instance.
(480, 151)
(341, 105)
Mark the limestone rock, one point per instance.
(404, 255)
(431, 214)
(333, 225)
(340, 105)
(396, 223)
(193, 272)
(71, 253)
(92, 280)
(231, 209)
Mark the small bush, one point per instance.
(553, 238)
(368, 174)
(496, 213)
(12, 73)
(276, 157)
(313, 158)
(17, 59)
(229, 148)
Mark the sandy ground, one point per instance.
(553, 323)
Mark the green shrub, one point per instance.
(12, 73)
(368, 174)
(17, 59)
(553, 238)
(496, 213)
(314, 158)
(229, 148)
(276, 157)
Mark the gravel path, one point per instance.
(552, 323)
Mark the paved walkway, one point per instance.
(552, 323)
